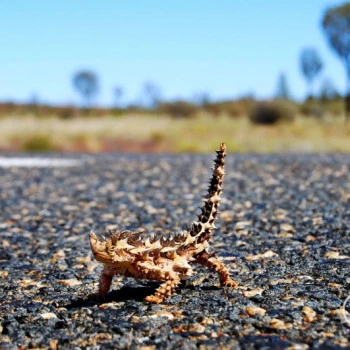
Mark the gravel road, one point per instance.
(284, 230)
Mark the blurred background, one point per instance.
(182, 76)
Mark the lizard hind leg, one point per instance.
(164, 291)
(208, 260)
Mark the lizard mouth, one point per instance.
(98, 248)
(102, 257)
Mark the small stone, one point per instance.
(195, 327)
(267, 254)
(53, 344)
(71, 282)
(279, 324)
(253, 292)
(340, 313)
(25, 282)
(254, 310)
(107, 216)
(103, 336)
(310, 238)
(248, 204)
(83, 259)
(285, 235)
(280, 214)
(48, 315)
(5, 243)
(226, 215)
(59, 254)
(3, 274)
(70, 207)
(282, 281)
(335, 255)
(310, 314)
(317, 220)
(169, 315)
(287, 228)
(241, 225)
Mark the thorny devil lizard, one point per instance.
(165, 258)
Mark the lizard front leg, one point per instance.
(165, 290)
(106, 280)
(217, 265)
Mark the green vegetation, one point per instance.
(142, 132)
(37, 143)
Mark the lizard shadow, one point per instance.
(125, 293)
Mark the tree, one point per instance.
(282, 88)
(328, 91)
(151, 94)
(86, 83)
(336, 26)
(118, 93)
(311, 66)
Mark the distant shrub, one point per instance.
(67, 112)
(321, 108)
(38, 143)
(311, 109)
(213, 109)
(117, 112)
(271, 112)
(236, 109)
(178, 109)
(335, 107)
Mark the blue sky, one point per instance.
(227, 48)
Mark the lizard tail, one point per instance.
(201, 230)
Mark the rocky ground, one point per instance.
(284, 231)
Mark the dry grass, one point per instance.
(164, 134)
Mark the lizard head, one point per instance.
(110, 250)
(99, 249)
